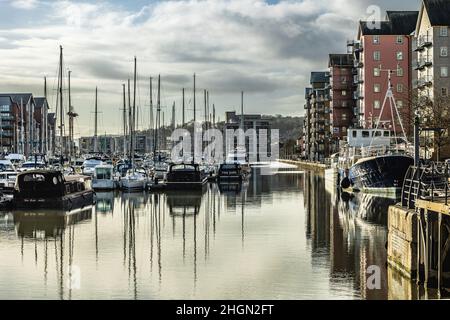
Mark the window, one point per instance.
(344, 117)
(354, 134)
(444, 92)
(399, 87)
(366, 134)
(376, 39)
(399, 103)
(376, 88)
(377, 56)
(444, 51)
(400, 72)
(399, 39)
(344, 104)
(399, 56)
(444, 72)
(344, 130)
(376, 104)
(5, 108)
(376, 72)
(344, 93)
(444, 32)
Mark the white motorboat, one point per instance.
(134, 180)
(104, 178)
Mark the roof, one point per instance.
(319, 77)
(438, 12)
(340, 60)
(5, 101)
(19, 97)
(397, 23)
(40, 101)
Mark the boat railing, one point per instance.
(426, 182)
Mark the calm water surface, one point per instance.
(286, 236)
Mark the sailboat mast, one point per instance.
(130, 127)
(44, 120)
(158, 115)
(61, 108)
(242, 110)
(70, 118)
(134, 110)
(193, 157)
(151, 108)
(124, 121)
(183, 119)
(96, 123)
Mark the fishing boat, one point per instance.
(104, 178)
(186, 177)
(50, 189)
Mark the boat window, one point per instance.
(229, 167)
(34, 178)
(355, 133)
(183, 168)
(103, 173)
(55, 180)
(386, 133)
(365, 134)
(378, 133)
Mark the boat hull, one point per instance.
(68, 202)
(191, 185)
(383, 174)
(133, 185)
(103, 184)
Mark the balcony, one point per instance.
(422, 63)
(423, 42)
(358, 64)
(357, 95)
(423, 82)
(358, 80)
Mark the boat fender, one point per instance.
(345, 183)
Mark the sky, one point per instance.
(265, 48)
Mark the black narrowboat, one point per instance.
(49, 189)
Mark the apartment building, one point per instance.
(318, 123)
(431, 49)
(381, 50)
(342, 104)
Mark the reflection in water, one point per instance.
(274, 237)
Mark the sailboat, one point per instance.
(136, 178)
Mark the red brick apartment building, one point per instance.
(380, 47)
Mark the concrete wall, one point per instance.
(402, 240)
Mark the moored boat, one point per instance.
(185, 176)
(104, 178)
(230, 172)
(42, 189)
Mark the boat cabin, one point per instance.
(369, 137)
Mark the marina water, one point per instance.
(283, 236)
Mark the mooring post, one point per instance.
(439, 273)
(426, 253)
(419, 243)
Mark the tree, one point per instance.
(434, 116)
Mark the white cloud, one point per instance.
(233, 45)
(24, 4)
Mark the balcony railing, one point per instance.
(423, 42)
(357, 95)
(423, 82)
(422, 63)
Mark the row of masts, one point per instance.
(129, 127)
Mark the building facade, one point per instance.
(342, 103)
(431, 49)
(381, 51)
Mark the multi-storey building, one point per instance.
(383, 48)
(317, 125)
(341, 93)
(22, 125)
(431, 48)
(251, 121)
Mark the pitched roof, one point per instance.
(18, 97)
(340, 60)
(397, 23)
(319, 77)
(40, 102)
(438, 12)
(5, 101)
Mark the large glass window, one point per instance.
(444, 31)
(444, 72)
